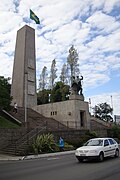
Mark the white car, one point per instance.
(97, 148)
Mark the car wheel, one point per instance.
(117, 153)
(101, 156)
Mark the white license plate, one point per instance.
(82, 154)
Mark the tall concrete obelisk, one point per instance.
(23, 89)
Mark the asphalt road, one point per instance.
(64, 167)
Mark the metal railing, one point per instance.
(26, 139)
(64, 125)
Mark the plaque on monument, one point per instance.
(31, 63)
(31, 89)
(31, 76)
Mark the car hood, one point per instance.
(89, 148)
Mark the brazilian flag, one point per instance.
(34, 17)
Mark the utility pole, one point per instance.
(90, 108)
(112, 106)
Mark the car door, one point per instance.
(113, 146)
(107, 148)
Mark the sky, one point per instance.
(92, 26)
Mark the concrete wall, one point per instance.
(66, 111)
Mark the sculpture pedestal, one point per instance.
(76, 97)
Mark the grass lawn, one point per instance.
(4, 123)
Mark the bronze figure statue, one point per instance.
(77, 85)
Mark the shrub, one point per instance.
(43, 143)
(77, 142)
(68, 147)
(92, 134)
(114, 131)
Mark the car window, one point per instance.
(94, 142)
(106, 143)
(112, 141)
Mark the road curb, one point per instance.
(47, 155)
(4, 157)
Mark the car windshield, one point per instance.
(94, 142)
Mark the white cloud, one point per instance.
(103, 22)
(112, 42)
(89, 25)
(7, 5)
(94, 79)
(106, 5)
(6, 65)
(109, 5)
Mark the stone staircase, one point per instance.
(22, 145)
(36, 120)
(36, 124)
(99, 124)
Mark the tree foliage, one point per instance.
(103, 111)
(53, 75)
(114, 131)
(60, 92)
(72, 61)
(63, 76)
(43, 78)
(43, 97)
(5, 98)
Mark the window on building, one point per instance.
(55, 112)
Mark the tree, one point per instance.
(43, 78)
(43, 96)
(53, 75)
(5, 98)
(72, 61)
(114, 131)
(63, 76)
(60, 92)
(103, 111)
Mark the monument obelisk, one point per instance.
(23, 89)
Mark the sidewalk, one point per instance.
(4, 157)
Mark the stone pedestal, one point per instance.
(76, 97)
(23, 89)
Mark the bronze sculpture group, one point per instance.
(76, 85)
